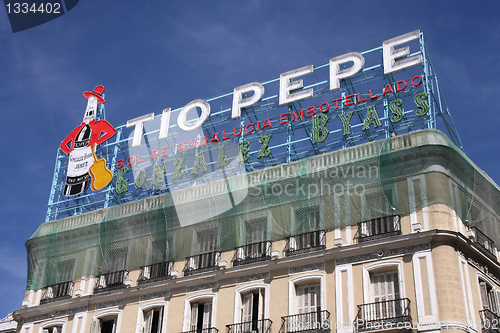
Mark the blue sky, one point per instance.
(157, 54)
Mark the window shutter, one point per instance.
(492, 301)
(241, 253)
(148, 321)
(483, 288)
(496, 297)
(267, 250)
(45, 330)
(147, 273)
(322, 238)
(261, 304)
(160, 320)
(192, 263)
(246, 313)
(50, 293)
(57, 330)
(293, 243)
(102, 281)
(364, 230)
(385, 287)
(374, 284)
(315, 299)
(389, 287)
(207, 315)
(207, 240)
(301, 299)
(194, 316)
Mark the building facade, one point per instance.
(395, 234)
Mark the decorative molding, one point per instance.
(253, 277)
(109, 304)
(480, 267)
(307, 268)
(56, 314)
(204, 286)
(159, 295)
(383, 254)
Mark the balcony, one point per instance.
(57, 292)
(304, 243)
(155, 272)
(312, 322)
(252, 253)
(204, 330)
(256, 326)
(483, 241)
(201, 263)
(111, 281)
(383, 315)
(489, 321)
(378, 228)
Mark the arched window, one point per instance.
(152, 318)
(106, 322)
(383, 294)
(199, 313)
(306, 303)
(251, 309)
(490, 297)
(53, 327)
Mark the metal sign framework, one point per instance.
(290, 141)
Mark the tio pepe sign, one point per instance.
(90, 133)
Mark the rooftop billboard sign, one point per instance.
(352, 99)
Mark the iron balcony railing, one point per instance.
(110, 281)
(307, 242)
(381, 227)
(204, 330)
(252, 253)
(490, 322)
(57, 292)
(255, 326)
(383, 315)
(312, 322)
(483, 241)
(201, 263)
(155, 272)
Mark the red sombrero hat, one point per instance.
(97, 93)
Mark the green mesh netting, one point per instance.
(399, 175)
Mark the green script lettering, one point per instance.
(320, 133)
(264, 149)
(347, 122)
(371, 118)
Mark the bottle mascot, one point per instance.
(84, 168)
